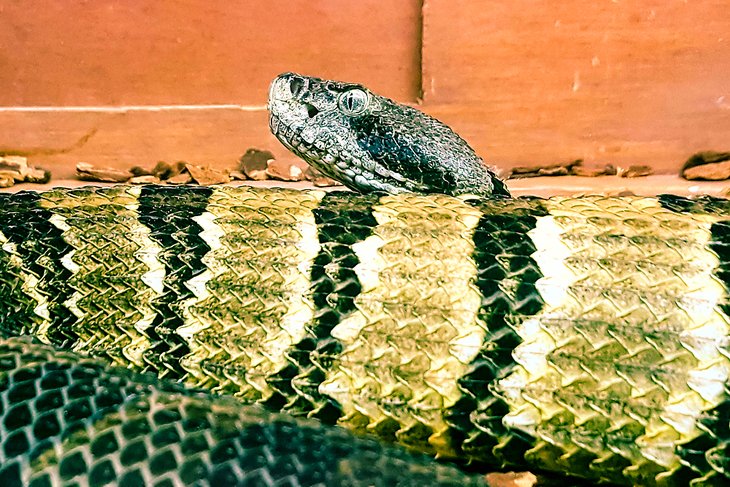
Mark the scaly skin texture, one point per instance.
(587, 336)
(371, 143)
(72, 420)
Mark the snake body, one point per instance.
(586, 336)
(582, 335)
(73, 420)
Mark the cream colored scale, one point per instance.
(635, 281)
(29, 286)
(415, 329)
(253, 302)
(113, 306)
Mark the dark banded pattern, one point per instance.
(710, 451)
(581, 335)
(169, 212)
(16, 309)
(506, 278)
(341, 223)
(31, 238)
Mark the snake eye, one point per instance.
(353, 102)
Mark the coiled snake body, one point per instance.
(587, 336)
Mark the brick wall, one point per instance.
(123, 83)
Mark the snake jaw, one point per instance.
(370, 143)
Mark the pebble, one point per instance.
(254, 163)
(87, 172)
(711, 166)
(182, 178)
(206, 176)
(592, 170)
(289, 170)
(38, 175)
(717, 171)
(560, 169)
(17, 169)
(637, 171)
(146, 179)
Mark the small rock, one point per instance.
(139, 171)
(290, 170)
(254, 163)
(165, 170)
(561, 169)
(593, 170)
(325, 182)
(708, 165)
(38, 175)
(553, 171)
(637, 171)
(717, 171)
(14, 166)
(237, 176)
(87, 172)
(182, 178)
(520, 172)
(6, 179)
(17, 167)
(319, 179)
(206, 176)
(148, 179)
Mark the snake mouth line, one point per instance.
(334, 163)
(320, 157)
(328, 160)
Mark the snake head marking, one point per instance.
(371, 143)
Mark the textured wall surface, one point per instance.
(641, 82)
(123, 83)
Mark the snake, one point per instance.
(419, 328)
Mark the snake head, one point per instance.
(370, 143)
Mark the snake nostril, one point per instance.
(296, 85)
(311, 110)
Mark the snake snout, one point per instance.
(296, 85)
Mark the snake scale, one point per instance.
(165, 335)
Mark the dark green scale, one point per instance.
(16, 308)
(74, 420)
(168, 212)
(709, 451)
(41, 247)
(342, 219)
(506, 280)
